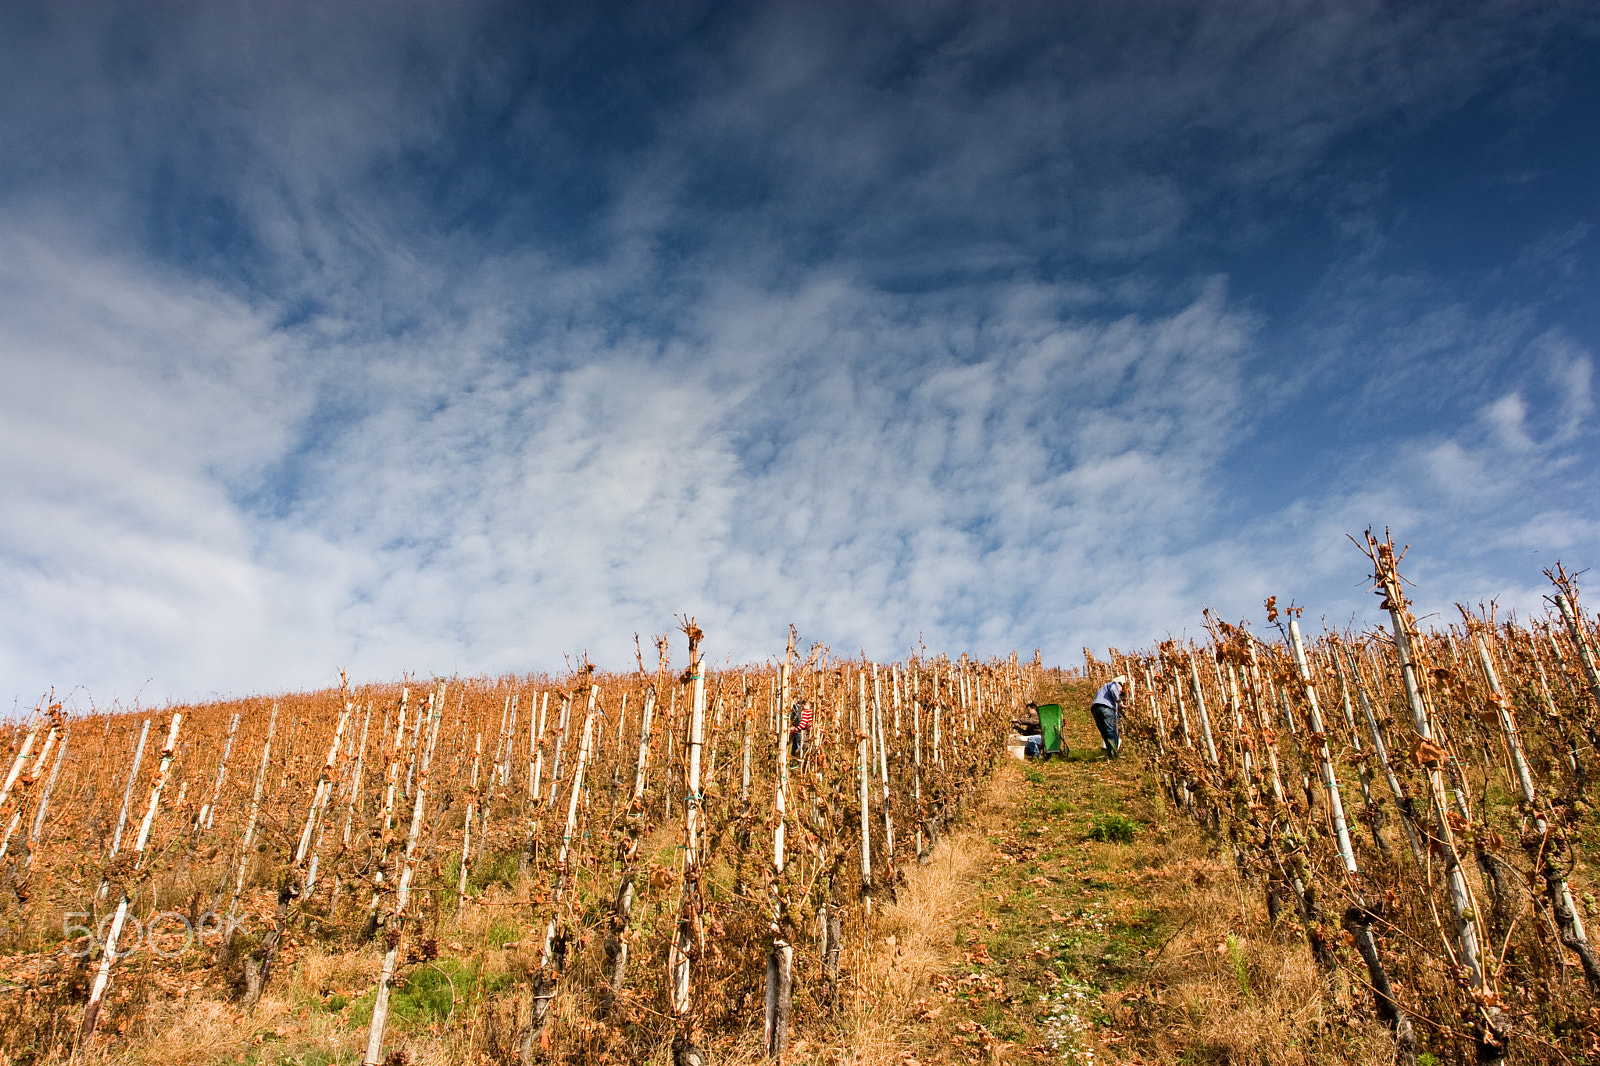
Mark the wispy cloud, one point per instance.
(453, 339)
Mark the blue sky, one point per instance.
(444, 338)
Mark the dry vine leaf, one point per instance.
(1425, 751)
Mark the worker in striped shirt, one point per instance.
(799, 726)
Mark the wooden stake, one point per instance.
(102, 980)
(1556, 889)
(391, 957)
(863, 733)
(1330, 783)
(466, 830)
(127, 793)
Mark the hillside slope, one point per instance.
(1097, 927)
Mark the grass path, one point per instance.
(1067, 908)
(1097, 927)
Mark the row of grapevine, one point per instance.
(1411, 804)
(665, 823)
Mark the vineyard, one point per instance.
(1411, 806)
(693, 866)
(653, 859)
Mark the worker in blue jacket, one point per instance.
(1107, 709)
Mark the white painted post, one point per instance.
(1319, 735)
(391, 957)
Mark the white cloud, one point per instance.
(1506, 417)
(453, 502)
(377, 345)
(985, 473)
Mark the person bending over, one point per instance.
(1107, 710)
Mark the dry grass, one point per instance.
(878, 1020)
(290, 1022)
(1227, 988)
(312, 1013)
(914, 941)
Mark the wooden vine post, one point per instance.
(923, 850)
(1565, 603)
(1358, 918)
(563, 719)
(1548, 847)
(1429, 756)
(127, 792)
(393, 934)
(102, 979)
(22, 758)
(353, 806)
(635, 821)
(536, 763)
(250, 822)
(863, 756)
(304, 856)
(466, 829)
(553, 953)
(1205, 719)
(780, 957)
(1319, 736)
(35, 837)
(204, 818)
(688, 943)
(386, 820)
(882, 745)
(1380, 751)
(57, 724)
(1372, 814)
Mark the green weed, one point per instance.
(432, 992)
(503, 931)
(1241, 972)
(1113, 829)
(498, 869)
